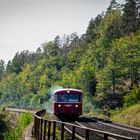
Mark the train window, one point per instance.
(62, 98)
(68, 97)
(73, 97)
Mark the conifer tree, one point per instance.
(129, 17)
(91, 32)
(113, 6)
(1, 68)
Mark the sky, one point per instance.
(26, 24)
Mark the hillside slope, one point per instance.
(130, 116)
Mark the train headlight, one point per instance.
(76, 105)
(59, 105)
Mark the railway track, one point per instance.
(80, 134)
(111, 127)
(93, 134)
(114, 129)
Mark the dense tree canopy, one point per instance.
(104, 63)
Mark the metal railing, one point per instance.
(46, 130)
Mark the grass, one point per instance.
(130, 116)
(2, 109)
(24, 120)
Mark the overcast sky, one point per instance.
(26, 24)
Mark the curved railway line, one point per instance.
(84, 128)
(111, 127)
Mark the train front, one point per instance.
(67, 102)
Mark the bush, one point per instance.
(24, 120)
(132, 98)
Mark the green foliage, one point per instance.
(132, 98)
(113, 6)
(110, 28)
(129, 17)
(91, 32)
(121, 72)
(24, 120)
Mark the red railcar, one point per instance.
(67, 102)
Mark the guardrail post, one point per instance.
(73, 132)
(87, 134)
(45, 130)
(38, 128)
(62, 131)
(49, 129)
(41, 125)
(105, 136)
(34, 127)
(54, 129)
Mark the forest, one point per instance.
(104, 63)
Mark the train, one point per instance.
(67, 103)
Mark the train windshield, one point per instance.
(71, 97)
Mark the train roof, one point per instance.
(66, 89)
